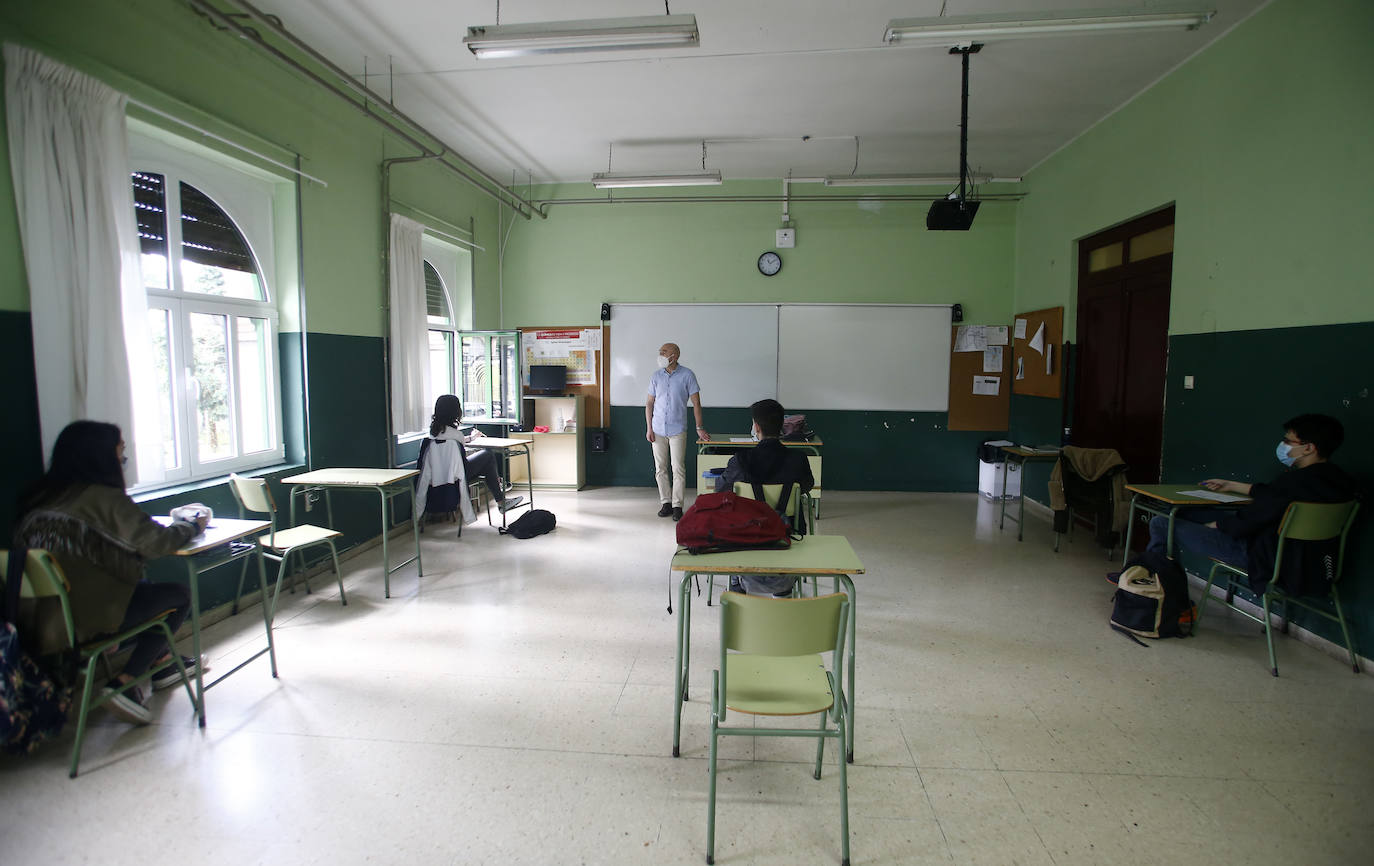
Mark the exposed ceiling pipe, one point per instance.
(770, 199)
(390, 115)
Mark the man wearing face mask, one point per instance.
(1248, 537)
(769, 462)
(671, 388)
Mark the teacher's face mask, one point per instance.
(662, 362)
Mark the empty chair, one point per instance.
(1090, 482)
(1303, 521)
(254, 495)
(43, 578)
(771, 665)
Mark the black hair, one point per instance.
(1322, 431)
(768, 415)
(447, 410)
(86, 452)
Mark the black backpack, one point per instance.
(1151, 599)
(534, 522)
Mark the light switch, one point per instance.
(1187, 383)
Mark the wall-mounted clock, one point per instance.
(770, 263)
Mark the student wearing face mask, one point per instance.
(671, 389)
(1248, 537)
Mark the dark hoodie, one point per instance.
(1305, 564)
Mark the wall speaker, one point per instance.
(599, 440)
(605, 312)
(956, 313)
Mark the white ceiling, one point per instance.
(768, 75)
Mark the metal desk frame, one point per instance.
(508, 447)
(1020, 456)
(389, 484)
(1164, 500)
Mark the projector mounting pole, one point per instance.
(964, 51)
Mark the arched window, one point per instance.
(211, 317)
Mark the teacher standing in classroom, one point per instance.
(671, 388)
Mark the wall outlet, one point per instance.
(1187, 383)
(786, 239)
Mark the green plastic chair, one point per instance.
(771, 665)
(43, 578)
(253, 494)
(1303, 521)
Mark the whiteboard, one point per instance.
(732, 349)
(864, 356)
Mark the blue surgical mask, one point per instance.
(1283, 452)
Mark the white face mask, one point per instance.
(662, 363)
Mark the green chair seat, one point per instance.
(777, 685)
(253, 495)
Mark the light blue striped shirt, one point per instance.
(672, 393)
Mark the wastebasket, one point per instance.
(993, 467)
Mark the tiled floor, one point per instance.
(515, 707)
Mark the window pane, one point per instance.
(215, 258)
(1105, 257)
(159, 332)
(507, 386)
(210, 380)
(440, 363)
(255, 384)
(1151, 244)
(475, 377)
(436, 298)
(150, 211)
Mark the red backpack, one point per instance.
(718, 522)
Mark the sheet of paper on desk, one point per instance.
(996, 335)
(970, 338)
(992, 359)
(1020, 329)
(1212, 495)
(741, 438)
(986, 385)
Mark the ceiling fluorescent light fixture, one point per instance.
(963, 29)
(609, 180)
(901, 179)
(570, 37)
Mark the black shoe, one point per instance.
(665, 510)
(677, 514)
(170, 676)
(510, 502)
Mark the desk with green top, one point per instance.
(815, 556)
(389, 483)
(212, 548)
(715, 452)
(1021, 456)
(1164, 500)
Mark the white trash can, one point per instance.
(990, 476)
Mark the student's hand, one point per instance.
(1212, 525)
(476, 434)
(649, 434)
(202, 521)
(1219, 484)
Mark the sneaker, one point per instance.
(665, 510)
(510, 502)
(677, 514)
(169, 676)
(128, 706)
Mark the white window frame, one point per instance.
(450, 262)
(247, 198)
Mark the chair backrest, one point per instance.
(782, 626)
(771, 494)
(252, 494)
(43, 578)
(1317, 521)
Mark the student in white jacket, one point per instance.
(445, 465)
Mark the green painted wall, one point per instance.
(559, 271)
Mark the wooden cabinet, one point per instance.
(556, 457)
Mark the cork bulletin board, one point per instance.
(595, 406)
(1037, 367)
(969, 410)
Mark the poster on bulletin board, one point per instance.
(574, 348)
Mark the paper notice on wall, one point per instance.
(1038, 341)
(1020, 329)
(567, 347)
(970, 338)
(996, 335)
(1049, 360)
(592, 337)
(992, 359)
(1020, 368)
(987, 386)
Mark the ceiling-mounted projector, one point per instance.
(952, 215)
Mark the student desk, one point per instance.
(507, 448)
(816, 556)
(389, 483)
(715, 452)
(218, 545)
(1164, 500)
(1021, 456)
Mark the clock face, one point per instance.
(769, 264)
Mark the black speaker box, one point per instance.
(950, 215)
(598, 440)
(605, 312)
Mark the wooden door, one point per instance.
(1123, 341)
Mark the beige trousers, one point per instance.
(674, 448)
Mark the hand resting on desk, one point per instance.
(1222, 485)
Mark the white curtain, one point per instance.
(409, 334)
(69, 155)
